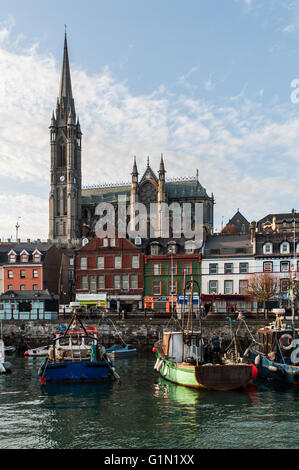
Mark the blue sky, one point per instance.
(206, 82)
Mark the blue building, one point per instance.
(29, 305)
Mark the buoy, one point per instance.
(254, 372)
(272, 368)
(165, 371)
(26, 353)
(159, 365)
(154, 350)
(157, 362)
(257, 360)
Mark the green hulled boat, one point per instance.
(183, 358)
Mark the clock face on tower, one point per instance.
(148, 193)
(62, 179)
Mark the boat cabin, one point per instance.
(179, 346)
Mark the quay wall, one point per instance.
(136, 331)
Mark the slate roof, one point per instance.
(227, 246)
(5, 249)
(28, 295)
(276, 239)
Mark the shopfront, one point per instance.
(90, 302)
(226, 303)
(162, 303)
(129, 303)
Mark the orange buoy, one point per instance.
(154, 350)
(254, 372)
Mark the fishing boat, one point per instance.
(276, 352)
(76, 356)
(184, 358)
(118, 351)
(5, 366)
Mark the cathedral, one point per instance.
(72, 208)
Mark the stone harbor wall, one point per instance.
(136, 331)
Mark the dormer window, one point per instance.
(12, 257)
(24, 257)
(36, 256)
(154, 250)
(285, 248)
(268, 248)
(171, 248)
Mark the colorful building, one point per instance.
(109, 272)
(168, 264)
(28, 305)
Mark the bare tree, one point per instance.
(263, 287)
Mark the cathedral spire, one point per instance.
(162, 168)
(65, 100)
(65, 83)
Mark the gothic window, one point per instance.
(64, 201)
(61, 163)
(58, 202)
(148, 193)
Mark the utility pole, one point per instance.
(17, 228)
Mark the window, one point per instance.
(213, 268)
(24, 258)
(112, 242)
(154, 250)
(284, 266)
(135, 261)
(297, 248)
(101, 282)
(213, 287)
(83, 262)
(268, 267)
(228, 287)
(244, 268)
(172, 288)
(100, 262)
(157, 269)
(10, 274)
(173, 269)
(117, 262)
(71, 261)
(117, 281)
(10, 287)
(243, 286)
(12, 258)
(134, 281)
(36, 258)
(35, 273)
(125, 282)
(93, 283)
(157, 288)
(172, 248)
(22, 287)
(228, 268)
(22, 274)
(105, 242)
(285, 248)
(84, 283)
(35, 287)
(284, 285)
(187, 268)
(267, 248)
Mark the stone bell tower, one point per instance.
(65, 141)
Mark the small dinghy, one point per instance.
(118, 351)
(42, 351)
(5, 366)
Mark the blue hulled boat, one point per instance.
(76, 357)
(118, 350)
(276, 353)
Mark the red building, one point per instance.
(109, 272)
(31, 267)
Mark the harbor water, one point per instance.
(142, 411)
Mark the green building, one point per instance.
(167, 266)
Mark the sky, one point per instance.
(211, 84)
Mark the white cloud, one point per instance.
(243, 154)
